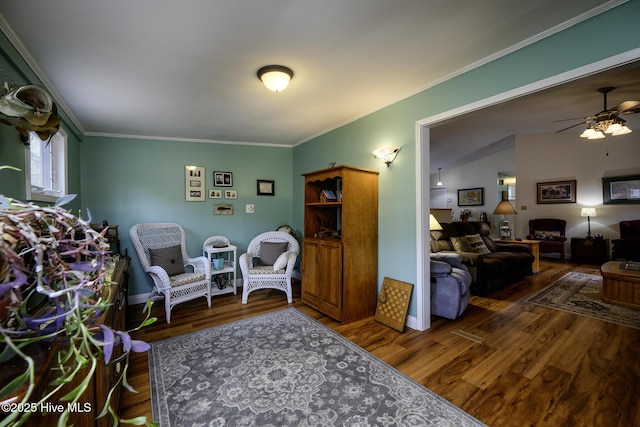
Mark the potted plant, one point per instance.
(53, 277)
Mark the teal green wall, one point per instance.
(608, 34)
(133, 180)
(12, 151)
(128, 181)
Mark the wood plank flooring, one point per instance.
(535, 366)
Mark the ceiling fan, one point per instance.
(608, 120)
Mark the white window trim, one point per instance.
(59, 171)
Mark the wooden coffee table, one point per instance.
(620, 286)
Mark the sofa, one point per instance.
(627, 247)
(491, 266)
(450, 286)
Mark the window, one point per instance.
(46, 166)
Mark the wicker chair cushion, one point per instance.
(265, 269)
(270, 251)
(170, 259)
(185, 278)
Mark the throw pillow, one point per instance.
(170, 259)
(546, 235)
(270, 251)
(281, 262)
(476, 244)
(460, 244)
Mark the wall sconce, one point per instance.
(439, 181)
(386, 154)
(588, 212)
(275, 77)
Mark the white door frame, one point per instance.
(423, 171)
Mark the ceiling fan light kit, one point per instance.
(608, 121)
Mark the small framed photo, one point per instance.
(222, 179)
(223, 209)
(215, 194)
(266, 187)
(471, 197)
(230, 194)
(194, 183)
(621, 190)
(557, 192)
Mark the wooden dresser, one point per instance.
(92, 401)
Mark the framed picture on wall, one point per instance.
(222, 179)
(621, 190)
(194, 180)
(471, 197)
(266, 187)
(557, 192)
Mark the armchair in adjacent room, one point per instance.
(450, 285)
(627, 247)
(551, 234)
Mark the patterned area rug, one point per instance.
(581, 294)
(285, 369)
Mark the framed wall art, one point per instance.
(266, 187)
(621, 190)
(194, 183)
(557, 192)
(223, 209)
(230, 194)
(215, 194)
(222, 179)
(471, 197)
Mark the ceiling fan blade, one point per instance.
(566, 120)
(562, 130)
(625, 106)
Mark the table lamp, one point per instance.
(588, 212)
(504, 208)
(433, 223)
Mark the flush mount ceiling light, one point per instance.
(275, 77)
(386, 154)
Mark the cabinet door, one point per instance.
(310, 273)
(330, 279)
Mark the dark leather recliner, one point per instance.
(551, 234)
(627, 247)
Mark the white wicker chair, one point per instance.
(178, 288)
(262, 276)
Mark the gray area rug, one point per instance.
(285, 369)
(581, 294)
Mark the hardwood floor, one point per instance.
(535, 367)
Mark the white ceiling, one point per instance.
(186, 70)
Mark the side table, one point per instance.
(534, 248)
(222, 257)
(589, 250)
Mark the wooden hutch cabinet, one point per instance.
(340, 244)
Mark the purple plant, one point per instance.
(55, 261)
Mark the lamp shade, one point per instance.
(588, 212)
(275, 77)
(505, 208)
(433, 223)
(386, 154)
